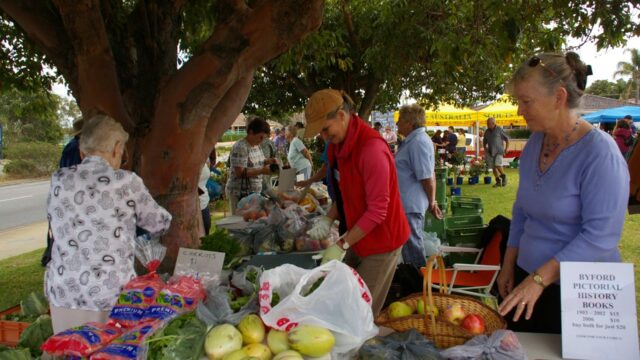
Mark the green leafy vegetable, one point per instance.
(36, 334)
(315, 285)
(14, 354)
(221, 241)
(183, 338)
(275, 299)
(35, 304)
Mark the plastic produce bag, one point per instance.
(431, 243)
(408, 345)
(341, 303)
(80, 341)
(501, 345)
(130, 345)
(229, 304)
(180, 296)
(251, 207)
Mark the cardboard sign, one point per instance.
(286, 179)
(201, 264)
(598, 311)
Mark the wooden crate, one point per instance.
(10, 330)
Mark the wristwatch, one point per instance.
(345, 245)
(538, 279)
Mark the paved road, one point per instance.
(23, 204)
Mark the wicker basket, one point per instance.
(443, 333)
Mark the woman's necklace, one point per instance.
(550, 147)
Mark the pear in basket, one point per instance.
(398, 309)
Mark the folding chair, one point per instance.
(473, 279)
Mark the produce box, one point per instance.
(464, 221)
(10, 330)
(465, 205)
(465, 237)
(431, 224)
(441, 184)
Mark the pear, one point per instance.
(399, 309)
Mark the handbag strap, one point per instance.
(427, 295)
(244, 183)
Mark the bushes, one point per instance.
(32, 159)
(231, 136)
(519, 133)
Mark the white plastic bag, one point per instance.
(342, 303)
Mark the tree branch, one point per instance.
(238, 45)
(43, 28)
(348, 23)
(368, 101)
(97, 88)
(226, 111)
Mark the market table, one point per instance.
(541, 346)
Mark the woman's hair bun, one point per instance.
(580, 69)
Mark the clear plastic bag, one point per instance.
(251, 207)
(348, 315)
(408, 345)
(219, 308)
(431, 243)
(501, 345)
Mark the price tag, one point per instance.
(598, 311)
(201, 264)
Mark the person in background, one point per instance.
(561, 212)
(247, 163)
(71, 152)
(367, 200)
(450, 140)
(321, 174)
(203, 197)
(415, 164)
(377, 126)
(496, 144)
(93, 210)
(280, 141)
(299, 157)
(390, 137)
(299, 130)
(461, 143)
(622, 136)
(632, 126)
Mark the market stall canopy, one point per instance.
(613, 114)
(448, 115)
(504, 111)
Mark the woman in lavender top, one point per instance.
(572, 196)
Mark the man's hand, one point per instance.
(321, 228)
(333, 252)
(435, 211)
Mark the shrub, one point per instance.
(519, 133)
(32, 159)
(230, 136)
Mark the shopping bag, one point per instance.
(341, 303)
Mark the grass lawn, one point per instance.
(22, 274)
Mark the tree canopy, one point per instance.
(606, 88)
(630, 69)
(30, 116)
(453, 51)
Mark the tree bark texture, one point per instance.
(127, 68)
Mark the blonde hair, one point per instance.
(556, 70)
(101, 134)
(413, 114)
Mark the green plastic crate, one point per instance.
(431, 224)
(441, 184)
(470, 236)
(465, 205)
(463, 221)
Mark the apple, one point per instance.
(473, 323)
(454, 314)
(420, 308)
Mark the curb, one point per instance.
(22, 181)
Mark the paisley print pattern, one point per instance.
(94, 211)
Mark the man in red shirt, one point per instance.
(367, 201)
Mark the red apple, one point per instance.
(454, 314)
(474, 324)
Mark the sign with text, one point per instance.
(598, 311)
(201, 264)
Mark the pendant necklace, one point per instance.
(549, 148)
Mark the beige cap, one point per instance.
(320, 104)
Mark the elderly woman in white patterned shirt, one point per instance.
(93, 209)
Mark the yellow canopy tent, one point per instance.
(504, 111)
(448, 115)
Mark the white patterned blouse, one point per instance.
(93, 211)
